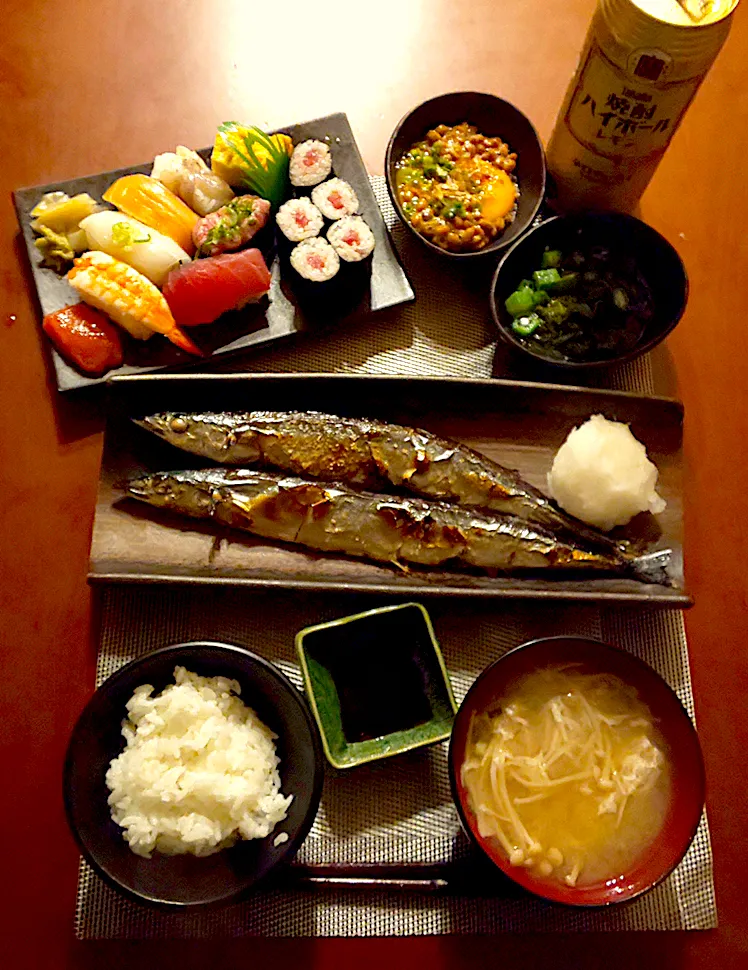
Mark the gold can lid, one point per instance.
(687, 13)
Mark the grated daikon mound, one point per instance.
(199, 770)
(601, 475)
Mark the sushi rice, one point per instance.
(335, 199)
(351, 239)
(299, 219)
(315, 260)
(311, 162)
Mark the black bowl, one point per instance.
(494, 117)
(186, 880)
(658, 261)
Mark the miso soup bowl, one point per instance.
(676, 730)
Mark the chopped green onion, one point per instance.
(563, 285)
(520, 302)
(524, 326)
(621, 298)
(125, 235)
(545, 278)
(551, 259)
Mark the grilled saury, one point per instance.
(367, 454)
(393, 529)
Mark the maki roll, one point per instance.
(351, 239)
(299, 219)
(311, 162)
(315, 260)
(335, 199)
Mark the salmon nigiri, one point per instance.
(127, 297)
(200, 292)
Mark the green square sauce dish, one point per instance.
(376, 683)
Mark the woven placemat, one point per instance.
(398, 810)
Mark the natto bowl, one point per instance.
(185, 880)
(493, 117)
(657, 260)
(675, 728)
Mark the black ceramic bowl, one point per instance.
(658, 261)
(494, 117)
(186, 880)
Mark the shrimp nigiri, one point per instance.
(127, 297)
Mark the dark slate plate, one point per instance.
(283, 314)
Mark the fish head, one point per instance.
(185, 492)
(208, 434)
(170, 425)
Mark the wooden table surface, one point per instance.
(87, 87)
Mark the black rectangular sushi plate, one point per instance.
(287, 311)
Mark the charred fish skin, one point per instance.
(369, 454)
(334, 518)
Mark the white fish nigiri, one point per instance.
(185, 174)
(149, 252)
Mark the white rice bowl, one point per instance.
(199, 770)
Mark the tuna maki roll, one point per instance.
(310, 163)
(351, 239)
(335, 199)
(315, 260)
(299, 219)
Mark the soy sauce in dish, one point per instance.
(381, 686)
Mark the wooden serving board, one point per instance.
(520, 425)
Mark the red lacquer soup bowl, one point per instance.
(676, 731)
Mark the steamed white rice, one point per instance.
(199, 770)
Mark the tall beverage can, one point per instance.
(641, 65)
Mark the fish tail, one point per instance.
(181, 340)
(653, 568)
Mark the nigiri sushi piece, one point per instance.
(148, 251)
(201, 291)
(85, 338)
(230, 227)
(149, 201)
(185, 174)
(127, 297)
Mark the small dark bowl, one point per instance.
(658, 261)
(494, 117)
(675, 727)
(186, 880)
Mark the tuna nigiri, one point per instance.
(127, 297)
(200, 292)
(85, 337)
